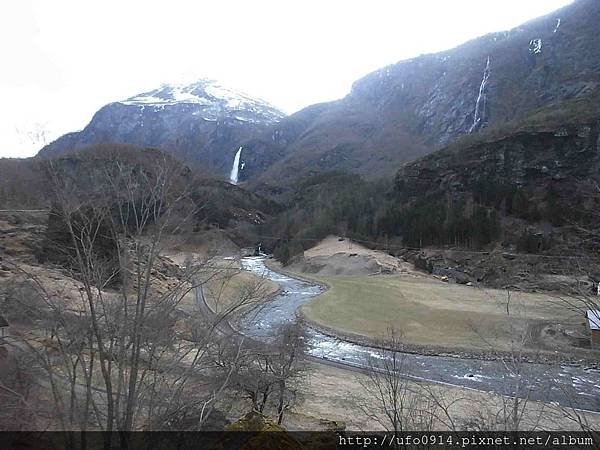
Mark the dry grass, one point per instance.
(230, 287)
(427, 311)
(225, 283)
(431, 312)
(337, 394)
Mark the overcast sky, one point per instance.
(62, 60)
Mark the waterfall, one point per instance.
(233, 176)
(480, 112)
(557, 25)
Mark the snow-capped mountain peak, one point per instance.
(203, 122)
(210, 97)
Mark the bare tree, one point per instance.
(124, 354)
(289, 367)
(402, 405)
(18, 410)
(271, 374)
(513, 408)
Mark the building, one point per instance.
(593, 318)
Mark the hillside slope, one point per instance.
(411, 108)
(544, 169)
(30, 183)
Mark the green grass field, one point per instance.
(429, 312)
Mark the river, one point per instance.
(564, 384)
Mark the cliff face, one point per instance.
(538, 161)
(498, 78)
(539, 181)
(414, 107)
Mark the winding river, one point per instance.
(568, 385)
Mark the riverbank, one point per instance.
(575, 357)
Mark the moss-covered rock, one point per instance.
(263, 433)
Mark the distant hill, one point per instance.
(26, 183)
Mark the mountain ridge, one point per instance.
(391, 116)
(416, 106)
(201, 123)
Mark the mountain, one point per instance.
(414, 107)
(474, 211)
(202, 122)
(391, 116)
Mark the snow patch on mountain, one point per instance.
(208, 99)
(203, 92)
(557, 25)
(535, 46)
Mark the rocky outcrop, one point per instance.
(541, 180)
(536, 162)
(504, 270)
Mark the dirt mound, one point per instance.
(338, 264)
(343, 257)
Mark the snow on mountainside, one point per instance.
(213, 99)
(201, 123)
(391, 116)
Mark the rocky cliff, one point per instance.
(555, 161)
(539, 180)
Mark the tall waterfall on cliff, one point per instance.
(480, 104)
(233, 176)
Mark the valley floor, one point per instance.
(430, 314)
(334, 396)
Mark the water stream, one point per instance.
(567, 385)
(480, 104)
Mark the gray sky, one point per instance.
(62, 60)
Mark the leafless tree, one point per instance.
(400, 403)
(510, 414)
(18, 410)
(289, 367)
(124, 353)
(271, 373)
